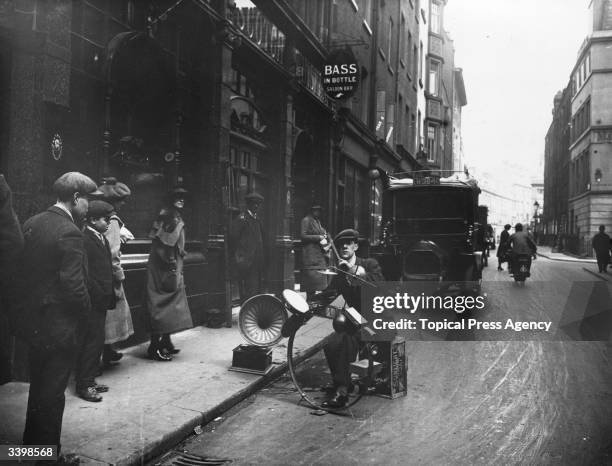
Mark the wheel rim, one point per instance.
(353, 398)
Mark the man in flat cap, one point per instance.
(247, 246)
(343, 345)
(55, 299)
(315, 245)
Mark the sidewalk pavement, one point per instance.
(546, 251)
(151, 405)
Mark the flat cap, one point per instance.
(347, 235)
(113, 190)
(254, 197)
(178, 191)
(316, 207)
(99, 209)
(74, 182)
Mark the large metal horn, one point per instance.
(261, 319)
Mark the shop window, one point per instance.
(354, 199)
(431, 143)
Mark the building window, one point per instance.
(421, 63)
(389, 39)
(408, 124)
(415, 63)
(413, 133)
(355, 202)
(380, 114)
(431, 143)
(434, 77)
(390, 121)
(418, 140)
(435, 18)
(581, 121)
(376, 215)
(402, 41)
(408, 49)
(366, 8)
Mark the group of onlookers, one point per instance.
(63, 288)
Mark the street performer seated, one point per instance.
(344, 344)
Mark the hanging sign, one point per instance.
(340, 75)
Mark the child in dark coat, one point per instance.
(101, 292)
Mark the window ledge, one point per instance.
(354, 4)
(381, 53)
(402, 64)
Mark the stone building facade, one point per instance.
(222, 97)
(589, 174)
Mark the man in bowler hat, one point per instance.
(55, 300)
(343, 345)
(247, 245)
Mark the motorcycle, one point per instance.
(521, 267)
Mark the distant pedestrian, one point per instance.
(118, 326)
(502, 249)
(601, 245)
(315, 244)
(102, 296)
(55, 299)
(166, 298)
(247, 245)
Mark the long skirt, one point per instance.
(118, 326)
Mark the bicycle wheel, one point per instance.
(354, 396)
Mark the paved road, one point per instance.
(468, 402)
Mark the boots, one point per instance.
(156, 351)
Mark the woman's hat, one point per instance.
(113, 190)
(254, 197)
(178, 191)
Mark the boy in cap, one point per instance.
(54, 297)
(102, 295)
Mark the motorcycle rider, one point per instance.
(520, 243)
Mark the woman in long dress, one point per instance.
(166, 298)
(118, 326)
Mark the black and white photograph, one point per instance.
(305, 232)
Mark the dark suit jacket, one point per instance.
(100, 272)
(247, 242)
(53, 280)
(351, 292)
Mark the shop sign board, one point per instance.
(341, 75)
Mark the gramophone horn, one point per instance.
(261, 319)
